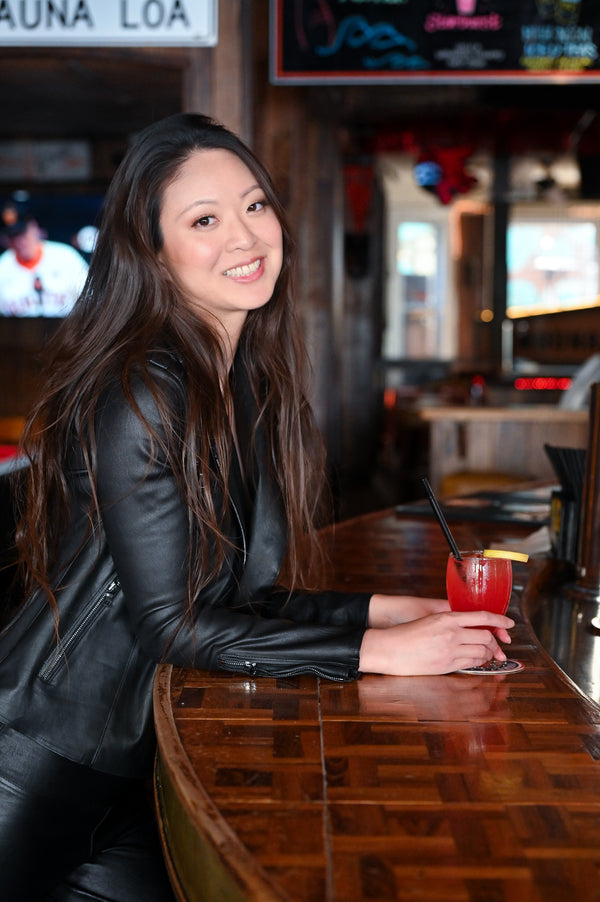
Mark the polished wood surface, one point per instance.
(454, 788)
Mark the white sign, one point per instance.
(47, 161)
(105, 23)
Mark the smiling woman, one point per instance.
(174, 464)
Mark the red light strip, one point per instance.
(542, 383)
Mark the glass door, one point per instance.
(416, 291)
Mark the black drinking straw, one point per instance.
(441, 519)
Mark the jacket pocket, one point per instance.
(57, 660)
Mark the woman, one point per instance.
(173, 462)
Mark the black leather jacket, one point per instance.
(89, 697)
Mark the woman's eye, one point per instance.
(204, 221)
(257, 205)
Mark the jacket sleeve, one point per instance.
(146, 526)
(332, 608)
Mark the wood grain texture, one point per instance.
(454, 788)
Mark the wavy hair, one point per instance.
(129, 307)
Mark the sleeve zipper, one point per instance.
(275, 669)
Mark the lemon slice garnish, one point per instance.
(509, 555)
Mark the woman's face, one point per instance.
(222, 242)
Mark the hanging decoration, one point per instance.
(442, 171)
(358, 179)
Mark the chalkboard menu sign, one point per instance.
(427, 41)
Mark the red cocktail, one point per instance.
(479, 583)
(482, 581)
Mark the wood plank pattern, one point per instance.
(454, 788)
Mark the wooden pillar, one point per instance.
(501, 210)
(197, 82)
(217, 80)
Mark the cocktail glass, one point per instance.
(477, 582)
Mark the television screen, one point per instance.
(552, 265)
(46, 241)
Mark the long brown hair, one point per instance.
(128, 308)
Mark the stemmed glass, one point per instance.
(482, 581)
(477, 581)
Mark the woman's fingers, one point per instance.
(483, 618)
(438, 643)
(482, 645)
(503, 636)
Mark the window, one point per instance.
(552, 262)
(415, 291)
(419, 303)
(418, 269)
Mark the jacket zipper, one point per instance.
(58, 657)
(261, 668)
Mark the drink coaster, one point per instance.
(508, 666)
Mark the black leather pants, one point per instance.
(70, 833)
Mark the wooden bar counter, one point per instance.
(455, 788)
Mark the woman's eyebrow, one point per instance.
(209, 200)
(250, 189)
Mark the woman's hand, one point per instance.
(437, 643)
(390, 610)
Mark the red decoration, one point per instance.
(454, 179)
(359, 189)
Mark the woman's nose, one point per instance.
(240, 235)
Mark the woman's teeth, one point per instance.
(247, 270)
